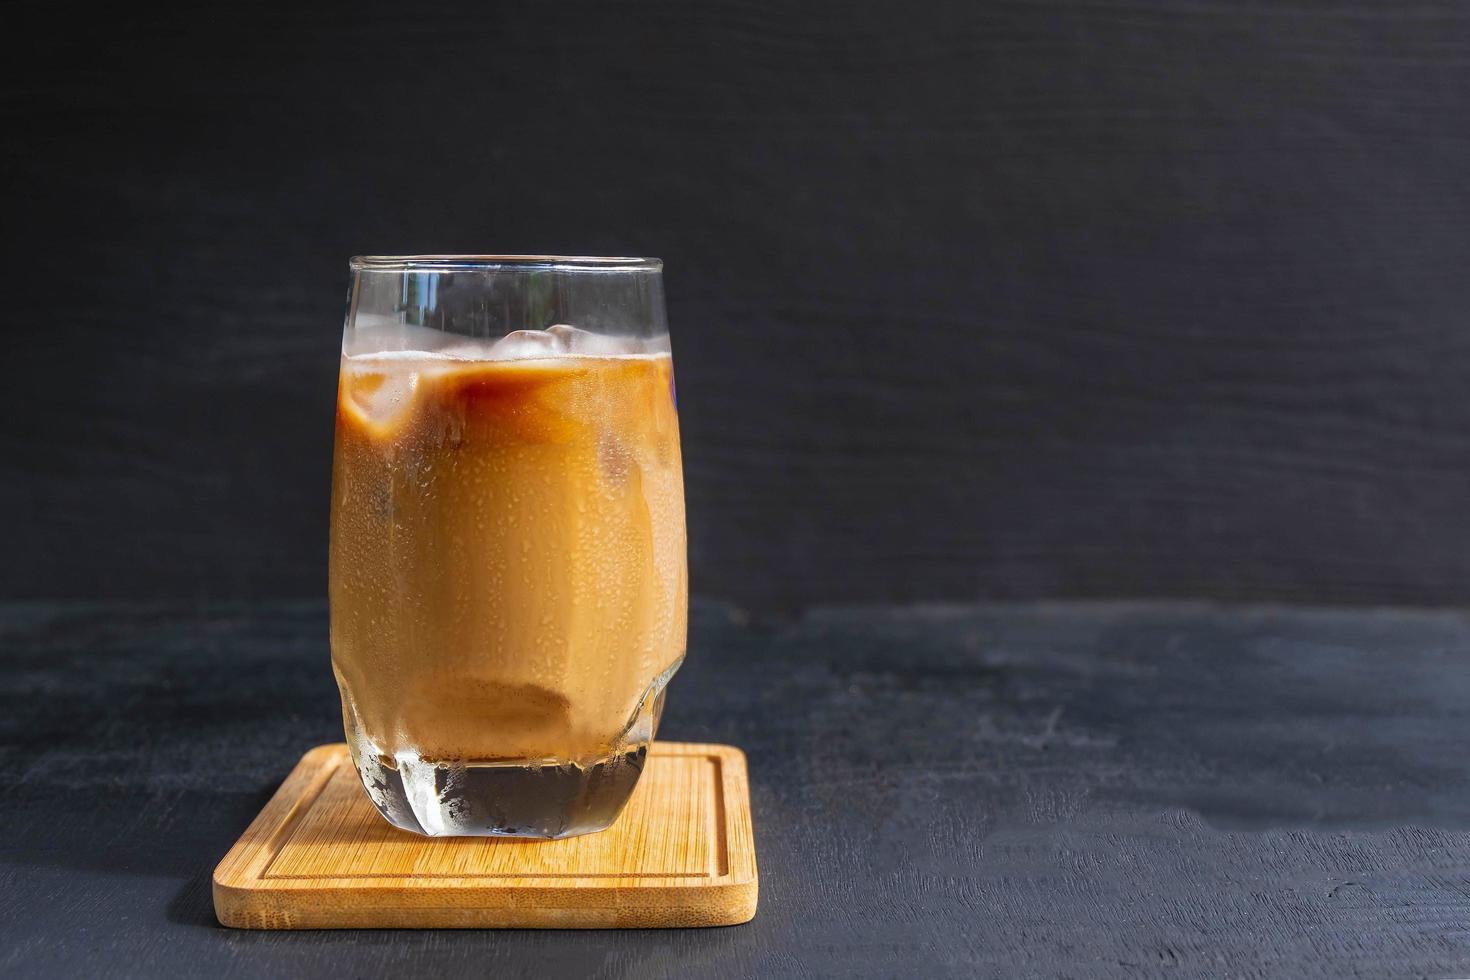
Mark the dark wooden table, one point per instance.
(1022, 790)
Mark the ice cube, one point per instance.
(520, 345)
(380, 389)
(575, 340)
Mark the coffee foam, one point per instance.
(559, 341)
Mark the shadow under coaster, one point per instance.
(319, 856)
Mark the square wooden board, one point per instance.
(320, 857)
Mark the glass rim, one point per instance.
(450, 263)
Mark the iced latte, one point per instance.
(508, 576)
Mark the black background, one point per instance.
(969, 299)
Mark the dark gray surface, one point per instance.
(1013, 791)
(997, 299)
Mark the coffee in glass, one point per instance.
(508, 576)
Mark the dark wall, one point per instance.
(969, 299)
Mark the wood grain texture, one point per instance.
(1021, 299)
(320, 857)
(1112, 791)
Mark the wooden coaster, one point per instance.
(320, 857)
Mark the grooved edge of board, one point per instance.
(318, 856)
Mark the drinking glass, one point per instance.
(508, 579)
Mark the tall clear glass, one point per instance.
(509, 592)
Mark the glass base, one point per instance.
(501, 799)
(541, 798)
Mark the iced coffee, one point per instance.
(508, 576)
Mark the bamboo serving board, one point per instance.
(320, 857)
